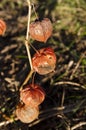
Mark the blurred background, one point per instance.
(66, 87)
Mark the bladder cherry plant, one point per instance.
(43, 62)
(2, 27)
(41, 30)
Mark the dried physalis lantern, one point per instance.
(2, 27)
(27, 114)
(44, 61)
(41, 30)
(32, 95)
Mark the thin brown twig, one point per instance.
(4, 123)
(70, 83)
(76, 67)
(7, 122)
(63, 97)
(78, 125)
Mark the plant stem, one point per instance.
(27, 46)
(35, 12)
(27, 34)
(26, 79)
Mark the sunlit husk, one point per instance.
(44, 62)
(27, 114)
(41, 30)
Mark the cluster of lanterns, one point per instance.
(43, 62)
